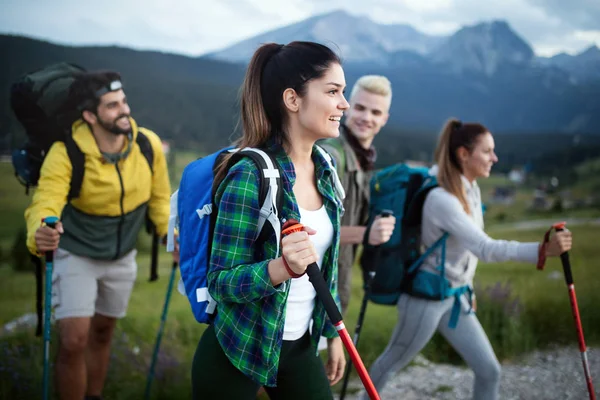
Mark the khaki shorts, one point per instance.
(82, 286)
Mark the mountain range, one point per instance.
(484, 72)
(484, 47)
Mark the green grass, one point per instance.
(13, 202)
(542, 315)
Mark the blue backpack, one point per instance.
(192, 213)
(192, 207)
(388, 269)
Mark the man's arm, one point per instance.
(159, 203)
(50, 196)
(352, 234)
(380, 232)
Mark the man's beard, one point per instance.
(113, 127)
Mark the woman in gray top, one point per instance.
(465, 152)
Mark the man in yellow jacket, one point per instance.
(94, 263)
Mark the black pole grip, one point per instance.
(564, 257)
(315, 277)
(566, 263)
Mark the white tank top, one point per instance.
(301, 299)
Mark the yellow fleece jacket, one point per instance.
(104, 220)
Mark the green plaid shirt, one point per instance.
(250, 310)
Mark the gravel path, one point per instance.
(551, 374)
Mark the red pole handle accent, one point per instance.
(357, 361)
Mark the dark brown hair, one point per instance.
(273, 69)
(83, 90)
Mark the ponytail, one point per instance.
(455, 135)
(255, 123)
(273, 69)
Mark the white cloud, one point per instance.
(588, 36)
(195, 27)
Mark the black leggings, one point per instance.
(301, 373)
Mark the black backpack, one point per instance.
(40, 101)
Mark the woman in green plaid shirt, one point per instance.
(292, 96)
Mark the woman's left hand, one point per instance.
(336, 364)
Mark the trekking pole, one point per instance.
(51, 222)
(315, 277)
(361, 314)
(161, 328)
(566, 263)
(154, 257)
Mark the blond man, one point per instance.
(355, 157)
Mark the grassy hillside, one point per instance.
(521, 308)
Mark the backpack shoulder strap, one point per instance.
(146, 148)
(339, 188)
(414, 210)
(337, 145)
(77, 159)
(271, 191)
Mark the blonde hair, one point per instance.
(455, 135)
(376, 84)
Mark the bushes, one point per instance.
(21, 368)
(501, 315)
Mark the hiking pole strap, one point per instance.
(542, 250)
(37, 262)
(154, 259)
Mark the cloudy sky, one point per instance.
(194, 27)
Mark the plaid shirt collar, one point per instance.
(322, 170)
